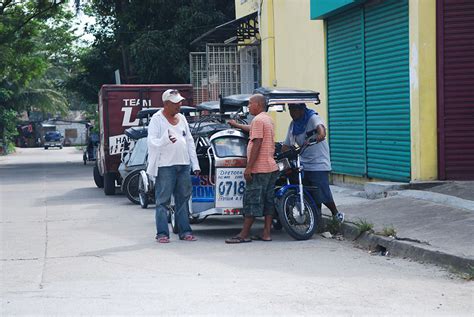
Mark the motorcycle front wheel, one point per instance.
(142, 194)
(300, 226)
(130, 187)
(174, 224)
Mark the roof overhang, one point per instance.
(322, 9)
(234, 31)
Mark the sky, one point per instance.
(82, 20)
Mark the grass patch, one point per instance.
(469, 276)
(388, 231)
(364, 226)
(333, 226)
(465, 275)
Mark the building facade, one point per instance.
(376, 65)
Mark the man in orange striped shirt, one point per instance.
(261, 171)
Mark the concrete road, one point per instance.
(67, 249)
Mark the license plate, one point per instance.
(230, 187)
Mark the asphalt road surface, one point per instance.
(67, 249)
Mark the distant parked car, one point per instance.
(53, 139)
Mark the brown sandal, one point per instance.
(163, 239)
(237, 239)
(189, 237)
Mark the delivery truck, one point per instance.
(118, 107)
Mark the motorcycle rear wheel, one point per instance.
(298, 227)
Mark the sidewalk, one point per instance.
(434, 225)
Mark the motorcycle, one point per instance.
(295, 204)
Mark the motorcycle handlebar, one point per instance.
(293, 151)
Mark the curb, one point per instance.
(438, 198)
(405, 249)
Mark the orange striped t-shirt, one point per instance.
(261, 127)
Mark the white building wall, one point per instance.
(80, 128)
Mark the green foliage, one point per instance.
(37, 54)
(470, 274)
(364, 226)
(333, 225)
(93, 117)
(149, 40)
(8, 130)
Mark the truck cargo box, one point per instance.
(118, 107)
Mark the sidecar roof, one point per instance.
(233, 103)
(211, 106)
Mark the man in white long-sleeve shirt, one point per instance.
(171, 155)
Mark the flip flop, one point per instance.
(237, 239)
(259, 238)
(163, 239)
(189, 237)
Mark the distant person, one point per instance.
(315, 159)
(171, 155)
(260, 173)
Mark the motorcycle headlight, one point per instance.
(283, 164)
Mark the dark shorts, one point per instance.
(320, 181)
(259, 195)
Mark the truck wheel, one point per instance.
(45, 147)
(98, 179)
(130, 186)
(109, 183)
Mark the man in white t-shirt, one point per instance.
(171, 155)
(315, 159)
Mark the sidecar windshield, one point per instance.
(139, 153)
(230, 146)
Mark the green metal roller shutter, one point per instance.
(387, 90)
(368, 90)
(346, 92)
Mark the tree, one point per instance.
(147, 40)
(36, 46)
(34, 39)
(7, 129)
